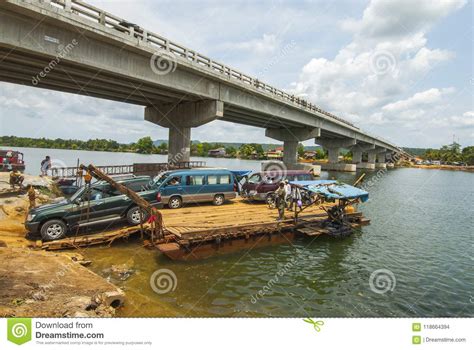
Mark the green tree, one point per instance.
(163, 148)
(231, 151)
(468, 155)
(145, 145)
(300, 150)
(258, 149)
(246, 150)
(319, 154)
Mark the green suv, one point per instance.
(101, 204)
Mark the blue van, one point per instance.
(196, 186)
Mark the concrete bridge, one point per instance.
(70, 46)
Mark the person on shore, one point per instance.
(32, 197)
(6, 164)
(45, 166)
(281, 200)
(288, 195)
(16, 178)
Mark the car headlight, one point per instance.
(30, 217)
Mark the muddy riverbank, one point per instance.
(35, 283)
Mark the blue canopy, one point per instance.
(333, 189)
(241, 173)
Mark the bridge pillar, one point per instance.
(381, 160)
(356, 156)
(377, 154)
(333, 154)
(290, 149)
(179, 119)
(291, 137)
(372, 157)
(333, 146)
(179, 144)
(357, 152)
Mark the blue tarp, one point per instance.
(241, 173)
(333, 189)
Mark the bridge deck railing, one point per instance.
(106, 19)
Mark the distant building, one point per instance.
(218, 152)
(276, 153)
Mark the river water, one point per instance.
(418, 250)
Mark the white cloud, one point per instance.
(466, 120)
(370, 80)
(419, 99)
(265, 45)
(389, 19)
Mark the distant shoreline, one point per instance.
(468, 168)
(119, 151)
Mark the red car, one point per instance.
(11, 160)
(260, 185)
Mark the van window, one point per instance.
(211, 179)
(224, 179)
(174, 181)
(195, 180)
(97, 193)
(255, 179)
(136, 186)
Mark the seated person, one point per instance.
(16, 178)
(175, 181)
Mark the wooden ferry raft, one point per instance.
(202, 231)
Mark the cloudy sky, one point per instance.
(399, 69)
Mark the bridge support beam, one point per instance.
(179, 119)
(291, 137)
(333, 146)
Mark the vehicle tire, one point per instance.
(133, 216)
(52, 230)
(175, 202)
(219, 199)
